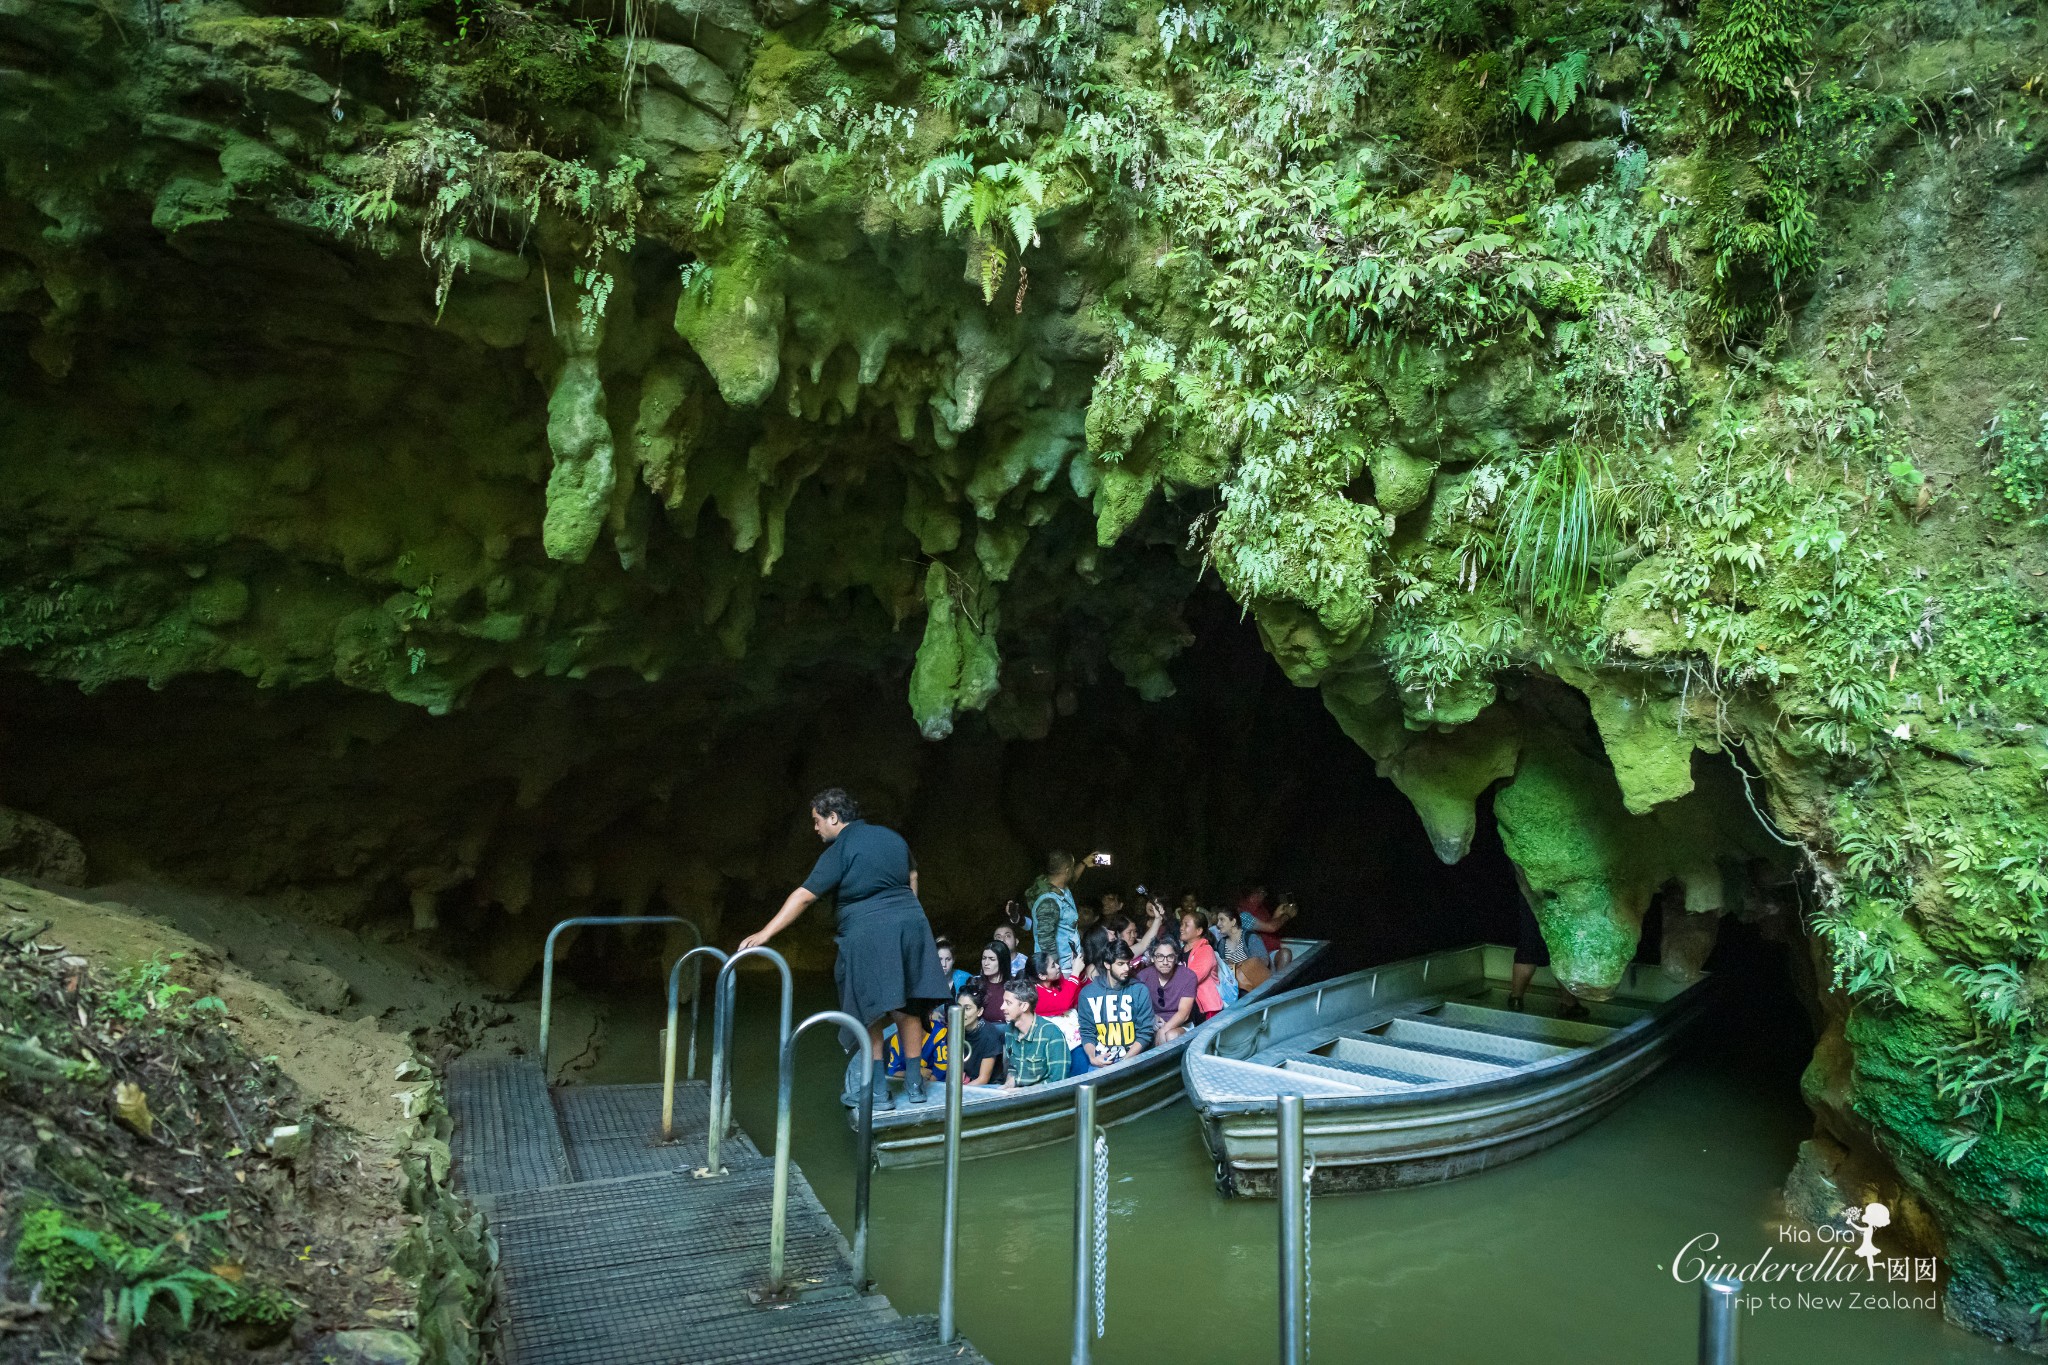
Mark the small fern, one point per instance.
(986, 200)
(1553, 86)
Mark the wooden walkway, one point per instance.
(611, 1253)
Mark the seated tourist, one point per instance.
(1019, 964)
(1173, 992)
(1268, 922)
(1155, 924)
(981, 1043)
(1116, 1013)
(1243, 957)
(1035, 1052)
(995, 974)
(1095, 946)
(959, 976)
(1057, 994)
(1201, 962)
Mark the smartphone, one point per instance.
(1141, 888)
(1102, 860)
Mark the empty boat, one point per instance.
(1419, 1071)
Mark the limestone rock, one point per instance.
(580, 486)
(31, 846)
(734, 324)
(1400, 481)
(688, 73)
(957, 663)
(1443, 773)
(1586, 862)
(1643, 735)
(1581, 163)
(671, 121)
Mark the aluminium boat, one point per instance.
(1419, 1071)
(993, 1121)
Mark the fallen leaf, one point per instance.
(131, 1107)
(228, 1271)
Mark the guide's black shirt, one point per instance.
(869, 868)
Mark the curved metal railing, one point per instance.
(721, 1042)
(785, 1090)
(668, 1045)
(547, 962)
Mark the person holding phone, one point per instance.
(1055, 918)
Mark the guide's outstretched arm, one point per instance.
(799, 901)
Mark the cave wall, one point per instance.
(1628, 418)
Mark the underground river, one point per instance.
(1562, 1257)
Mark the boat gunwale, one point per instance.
(1664, 1016)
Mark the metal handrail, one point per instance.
(785, 1092)
(1293, 1201)
(668, 1044)
(1084, 1220)
(721, 1042)
(1720, 1343)
(547, 962)
(949, 1232)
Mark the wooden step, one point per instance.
(1507, 1023)
(1411, 1061)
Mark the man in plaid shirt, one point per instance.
(1035, 1052)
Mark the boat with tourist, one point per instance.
(1420, 1071)
(994, 1120)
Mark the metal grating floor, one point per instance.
(505, 1136)
(612, 1253)
(615, 1130)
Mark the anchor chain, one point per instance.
(1101, 1234)
(1308, 1257)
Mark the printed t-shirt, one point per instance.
(983, 1040)
(1114, 1018)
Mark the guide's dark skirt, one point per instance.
(888, 961)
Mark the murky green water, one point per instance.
(1563, 1257)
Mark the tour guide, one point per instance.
(888, 963)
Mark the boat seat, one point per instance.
(1436, 1066)
(1472, 1044)
(1372, 1077)
(1225, 1078)
(1509, 1024)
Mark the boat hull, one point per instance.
(1443, 1131)
(1042, 1115)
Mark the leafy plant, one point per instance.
(1552, 86)
(2015, 444)
(64, 1255)
(987, 199)
(1562, 517)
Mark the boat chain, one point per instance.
(1308, 1257)
(1101, 1234)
